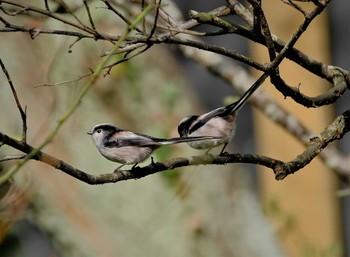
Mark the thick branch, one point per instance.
(137, 172)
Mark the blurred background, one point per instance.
(232, 210)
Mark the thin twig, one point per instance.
(125, 58)
(72, 44)
(264, 28)
(295, 6)
(155, 18)
(24, 8)
(119, 14)
(71, 12)
(66, 81)
(14, 93)
(144, 21)
(87, 8)
(182, 31)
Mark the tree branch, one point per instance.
(257, 30)
(335, 131)
(137, 172)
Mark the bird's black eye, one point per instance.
(98, 131)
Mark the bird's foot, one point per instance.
(224, 153)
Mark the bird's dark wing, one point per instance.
(185, 125)
(222, 112)
(128, 138)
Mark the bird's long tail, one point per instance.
(177, 140)
(238, 104)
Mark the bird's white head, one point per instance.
(101, 132)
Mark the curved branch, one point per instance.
(339, 88)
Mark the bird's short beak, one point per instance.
(89, 133)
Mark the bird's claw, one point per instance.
(152, 160)
(224, 153)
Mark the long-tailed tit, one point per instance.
(127, 147)
(219, 122)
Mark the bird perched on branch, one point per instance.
(220, 122)
(127, 147)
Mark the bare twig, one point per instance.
(72, 44)
(66, 81)
(87, 8)
(71, 12)
(50, 14)
(14, 93)
(119, 14)
(125, 58)
(295, 6)
(264, 28)
(158, 3)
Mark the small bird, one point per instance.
(218, 123)
(127, 147)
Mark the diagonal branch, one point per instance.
(335, 131)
